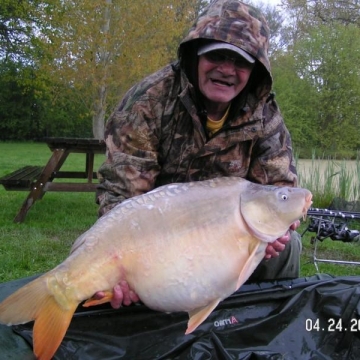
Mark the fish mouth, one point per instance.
(308, 202)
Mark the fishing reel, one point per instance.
(337, 231)
(334, 225)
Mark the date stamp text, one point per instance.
(332, 325)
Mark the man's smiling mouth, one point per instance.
(222, 82)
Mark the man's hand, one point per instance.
(122, 295)
(274, 248)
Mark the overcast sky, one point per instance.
(272, 2)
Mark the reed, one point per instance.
(329, 178)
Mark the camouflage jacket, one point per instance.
(157, 135)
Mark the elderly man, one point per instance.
(209, 114)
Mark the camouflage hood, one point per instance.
(238, 24)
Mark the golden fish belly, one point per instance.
(188, 270)
(190, 286)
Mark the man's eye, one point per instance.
(216, 57)
(240, 63)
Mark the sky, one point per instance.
(271, 2)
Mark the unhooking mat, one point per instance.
(307, 318)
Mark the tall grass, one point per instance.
(356, 191)
(329, 179)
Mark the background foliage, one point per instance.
(80, 57)
(64, 65)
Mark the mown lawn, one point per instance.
(53, 223)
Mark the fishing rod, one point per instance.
(332, 224)
(334, 213)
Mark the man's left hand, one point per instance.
(122, 295)
(273, 249)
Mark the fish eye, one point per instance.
(284, 197)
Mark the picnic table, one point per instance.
(40, 179)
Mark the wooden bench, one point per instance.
(21, 179)
(38, 180)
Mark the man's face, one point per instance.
(222, 75)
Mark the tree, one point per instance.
(322, 40)
(29, 109)
(298, 101)
(100, 48)
(16, 31)
(17, 101)
(330, 57)
(303, 15)
(274, 18)
(343, 12)
(83, 55)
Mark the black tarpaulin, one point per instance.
(308, 318)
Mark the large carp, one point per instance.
(181, 247)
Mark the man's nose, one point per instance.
(228, 66)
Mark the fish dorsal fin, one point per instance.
(198, 315)
(255, 256)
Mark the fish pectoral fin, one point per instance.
(92, 301)
(249, 267)
(199, 315)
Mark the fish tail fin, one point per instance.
(50, 328)
(35, 302)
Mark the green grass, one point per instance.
(331, 250)
(51, 226)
